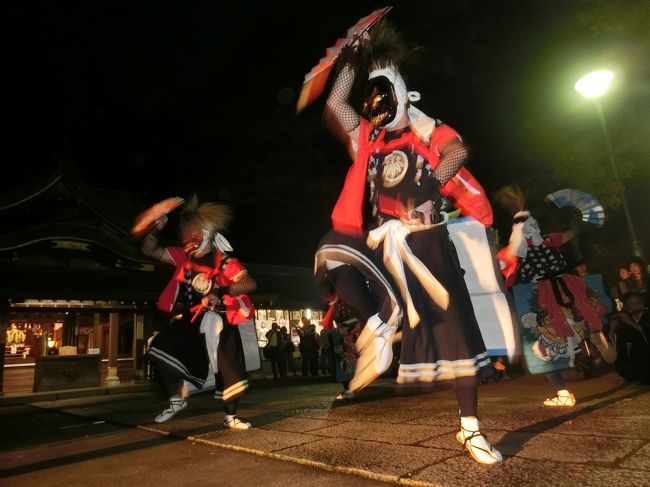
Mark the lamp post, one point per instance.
(592, 86)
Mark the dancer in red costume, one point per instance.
(209, 290)
(406, 159)
(533, 257)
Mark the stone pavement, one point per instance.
(409, 437)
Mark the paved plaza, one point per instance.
(403, 436)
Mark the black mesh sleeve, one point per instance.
(452, 158)
(337, 102)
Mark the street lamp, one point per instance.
(592, 86)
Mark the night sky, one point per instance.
(197, 97)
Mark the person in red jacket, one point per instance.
(209, 291)
(403, 161)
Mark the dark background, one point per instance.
(173, 98)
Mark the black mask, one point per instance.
(379, 105)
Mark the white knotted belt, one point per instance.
(397, 252)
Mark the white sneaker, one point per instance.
(175, 406)
(479, 447)
(375, 349)
(236, 424)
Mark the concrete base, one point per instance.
(58, 372)
(111, 378)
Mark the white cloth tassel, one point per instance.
(517, 244)
(221, 244)
(211, 326)
(522, 232)
(421, 123)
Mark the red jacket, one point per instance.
(465, 191)
(238, 308)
